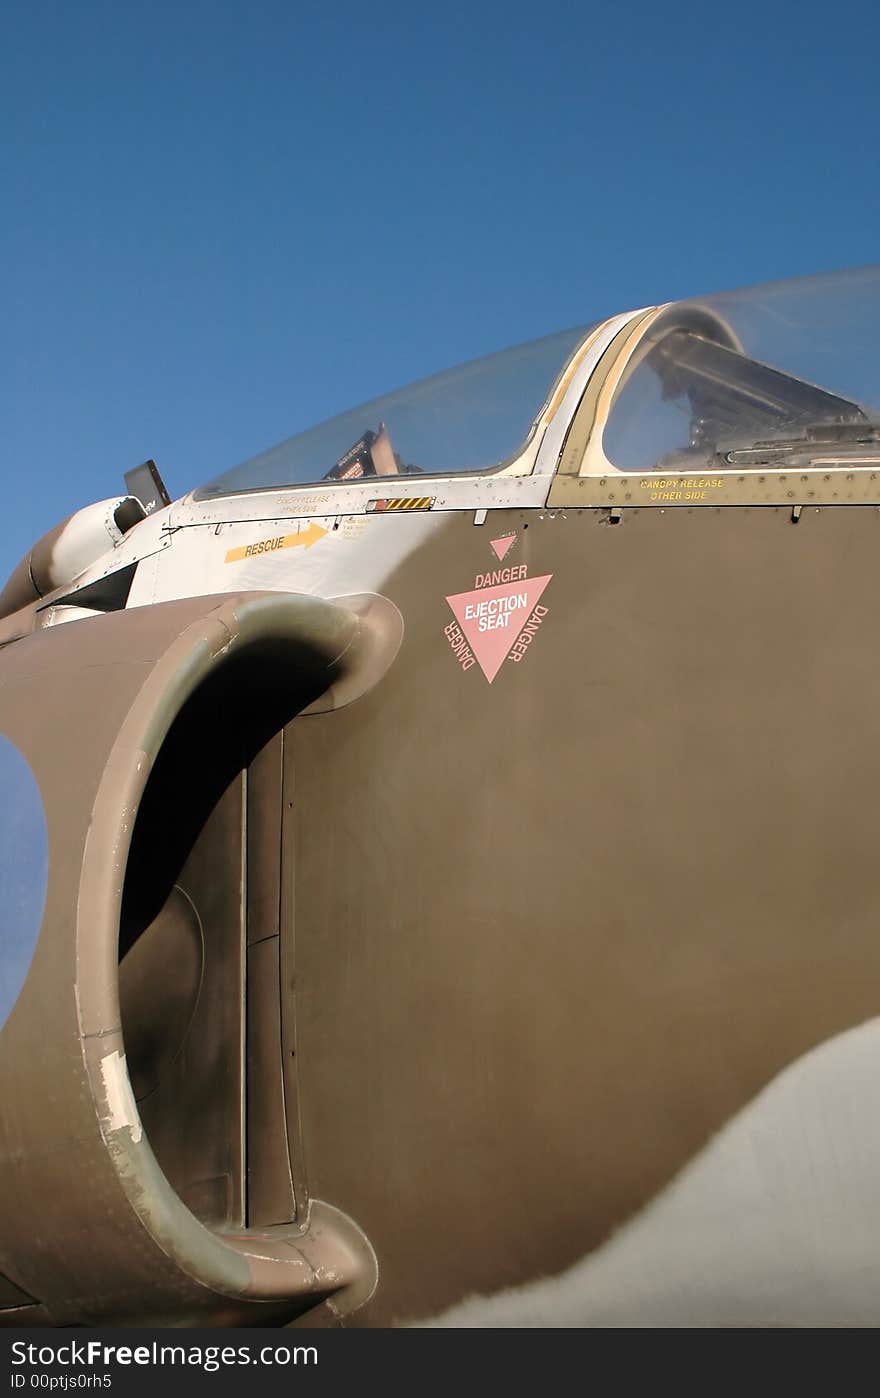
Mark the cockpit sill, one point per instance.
(846, 480)
(827, 484)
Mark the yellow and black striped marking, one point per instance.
(416, 502)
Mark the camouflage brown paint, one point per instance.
(538, 940)
(551, 934)
(32, 576)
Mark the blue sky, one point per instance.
(223, 222)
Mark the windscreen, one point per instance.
(472, 418)
(719, 378)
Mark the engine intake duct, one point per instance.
(130, 1187)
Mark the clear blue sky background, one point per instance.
(223, 222)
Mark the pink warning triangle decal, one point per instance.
(493, 617)
(501, 546)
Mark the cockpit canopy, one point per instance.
(699, 383)
(471, 418)
(715, 379)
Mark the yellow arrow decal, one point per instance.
(304, 538)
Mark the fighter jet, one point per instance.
(439, 881)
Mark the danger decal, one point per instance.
(500, 547)
(498, 618)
